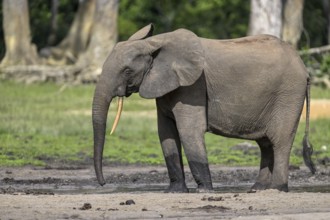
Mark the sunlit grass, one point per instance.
(320, 93)
(44, 124)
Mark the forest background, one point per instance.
(66, 32)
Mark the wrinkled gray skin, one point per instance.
(251, 88)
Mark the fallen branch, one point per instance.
(322, 81)
(38, 73)
(316, 50)
(42, 73)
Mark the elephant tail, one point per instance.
(307, 146)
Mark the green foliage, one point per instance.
(325, 65)
(318, 65)
(213, 19)
(315, 25)
(40, 20)
(41, 124)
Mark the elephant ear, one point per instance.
(178, 61)
(143, 33)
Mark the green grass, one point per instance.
(320, 93)
(41, 125)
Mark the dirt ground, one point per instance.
(319, 109)
(136, 192)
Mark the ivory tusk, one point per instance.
(119, 110)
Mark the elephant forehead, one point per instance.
(121, 54)
(129, 48)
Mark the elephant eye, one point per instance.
(127, 71)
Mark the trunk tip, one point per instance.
(101, 182)
(99, 174)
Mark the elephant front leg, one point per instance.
(171, 146)
(191, 124)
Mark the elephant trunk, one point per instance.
(101, 103)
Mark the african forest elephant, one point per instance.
(250, 88)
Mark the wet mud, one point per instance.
(50, 181)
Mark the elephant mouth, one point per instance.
(130, 90)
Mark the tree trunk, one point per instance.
(326, 9)
(103, 38)
(53, 25)
(265, 17)
(77, 38)
(19, 49)
(292, 21)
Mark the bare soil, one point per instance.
(136, 192)
(320, 108)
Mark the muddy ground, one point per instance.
(136, 192)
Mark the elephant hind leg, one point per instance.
(264, 178)
(282, 136)
(273, 173)
(280, 173)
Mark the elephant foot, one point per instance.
(280, 187)
(262, 186)
(204, 187)
(204, 190)
(259, 186)
(202, 176)
(177, 188)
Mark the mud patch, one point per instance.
(211, 208)
(86, 206)
(145, 179)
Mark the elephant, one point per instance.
(251, 88)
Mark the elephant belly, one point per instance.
(237, 120)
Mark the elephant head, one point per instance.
(150, 65)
